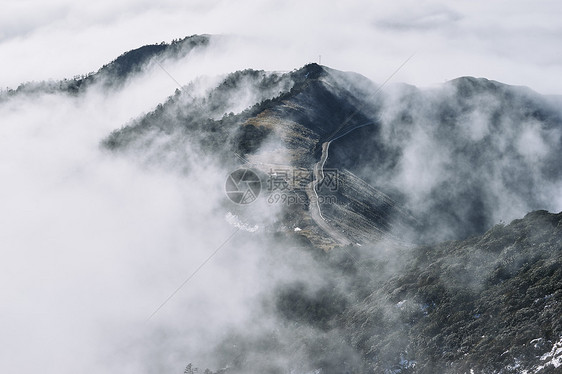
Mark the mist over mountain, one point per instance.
(458, 158)
(325, 223)
(114, 74)
(488, 304)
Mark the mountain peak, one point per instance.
(311, 71)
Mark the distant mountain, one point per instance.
(133, 61)
(115, 73)
(413, 165)
(463, 156)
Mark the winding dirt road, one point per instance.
(314, 200)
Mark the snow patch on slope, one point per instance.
(236, 222)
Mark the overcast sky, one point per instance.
(516, 42)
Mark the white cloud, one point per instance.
(93, 243)
(513, 42)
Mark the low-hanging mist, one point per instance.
(113, 197)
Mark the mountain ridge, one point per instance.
(113, 74)
(309, 106)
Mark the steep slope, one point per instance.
(284, 134)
